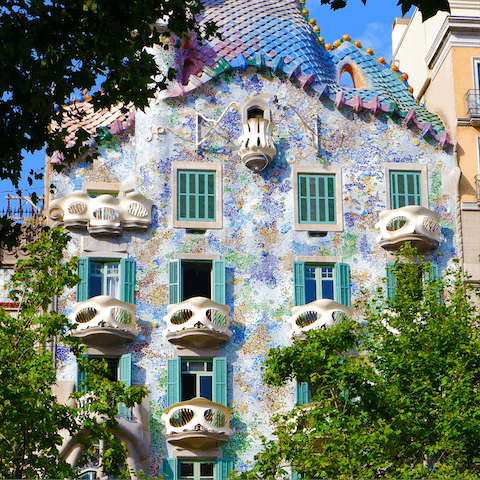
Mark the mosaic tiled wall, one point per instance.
(257, 241)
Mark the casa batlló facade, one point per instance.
(254, 200)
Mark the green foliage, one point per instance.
(30, 416)
(395, 396)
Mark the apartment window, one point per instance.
(405, 189)
(303, 393)
(5, 278)
(197, 469)
(190, 278)
(189, 378)
(318, 199)
(314, 281)
(421, 275)
(406, 184)
(119, 370)
(115, 278)
(197, 195)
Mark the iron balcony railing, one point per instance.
(473, 102)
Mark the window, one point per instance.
(405, 189)
(5, 278)
(190, 278)
(318, 199)
(120, 369)
(314, 281)
(391, 278)
(197, 469)
(406, 184)
(115, 278)
(189, 378)
(303, 393)
(197, 195)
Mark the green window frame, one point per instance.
(115, 278)
(176, 280)
(123, 374)
(196, 195)
(172, 468)
(316, 198)
(341, 281)
(218, 373)
(405, 188)
(303, 393)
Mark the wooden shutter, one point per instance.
(175, 281)
(405, 189)
(127, 280)
(303, 393)
(299, 282)
(342, 283)
(431, 275)
(220, 380)
(83, 288)
(173, 380)
(223, 466)
(170, 468)
(391, 280)
(218, 281)
(125, 376)
(81, 376)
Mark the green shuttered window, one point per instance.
(316, 198)
(177, 280)
(405, 189)
(193, 469)
(430, 275)
(303, 393)
(196, 195)
(313, 282)
(114, 278)
(178, 375)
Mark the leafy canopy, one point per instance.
(396, 396)
(31, 418)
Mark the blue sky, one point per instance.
(370, 24)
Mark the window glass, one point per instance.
(316, 198)
(196, 469)
(319, 282)
(197, 379)
(105, 279)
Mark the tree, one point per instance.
(394, 396)
(30, 416)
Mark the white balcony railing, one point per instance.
(413, 224)
(104, 320)
(105, 214)
(198, 423)
(198, 322)
(256, 144)
(315, 315)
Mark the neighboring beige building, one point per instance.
(442, 59)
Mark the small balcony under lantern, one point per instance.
(198, 322)
(105, 321)
(414, 224)
(197, 424)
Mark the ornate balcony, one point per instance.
(105, 214)
(315, 315)
(105, 321)
(198, 322)
(413, 224)
(256, 144)
(198, 424)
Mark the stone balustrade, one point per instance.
(198, 423)
(413, 224)
(256, 144)
(198, 322)
(105, 321)
(315, 315)
(105, 214)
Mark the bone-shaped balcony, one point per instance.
(413, 224)
(316, 315)
(105, 214)
(104, 321)
(198, 322)
(198, 424)
(256, 144)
